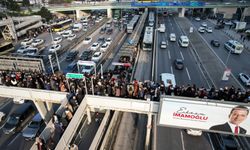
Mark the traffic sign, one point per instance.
(74, 76)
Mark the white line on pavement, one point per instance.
(181, 55)
(171, 68)
(169, 56)
(14, 138)
(188, 73)
(182, 140)
(167, 42)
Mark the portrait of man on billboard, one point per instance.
(237, 115)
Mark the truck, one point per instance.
(162, 28)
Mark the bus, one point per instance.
(6, 47)
(148, 39)
(62, 25)
(151, 19)
(132, 23)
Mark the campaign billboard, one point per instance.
(228, 118)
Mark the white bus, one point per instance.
(184, 41)
(151, 19)
(132, 24)
(148, 39)
(168, 79)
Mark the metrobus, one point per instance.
(148, 39)
(6, 47)
(151, 19)
(62, 25)
(132, 23)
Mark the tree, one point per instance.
(26, 3)
(12, 5)
(45, 13)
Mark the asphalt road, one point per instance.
(191, 73)
(237, 63)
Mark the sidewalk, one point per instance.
(232, 34)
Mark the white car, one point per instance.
(22, 49)
(87, 69)
(94, 46)
(71, 37)
(57, 40)
(209, 29)
(108, 41)
(31, 51)
(87, 40)
(27, 41)
(204, 24)
(85, 28)
(244, 78)
(54, 48)
(163, 44)
(97, 56)
(104, 47)
(60, 32)
(201, 29)
(2, 116)
(37, 42)
(18, 100)
(172, 37)
(66, 33)
(198, 19)
(194, 132)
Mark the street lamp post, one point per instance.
(59, 67)
(52, 69)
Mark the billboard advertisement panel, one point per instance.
(205, 115)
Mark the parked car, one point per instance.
(209, 29)
(178, 63)
(94, 46)
(163, 44)
(104, 47)
(37, 42)
(54, 48)
(71, 37)
(33, 128)
(97, 56)
(215, 43)
(244, 79)
(27, 41)
(86, 55)
(71, 55)
(57, 40)
(87, 40)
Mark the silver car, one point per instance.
(244, 78)
(33, 128)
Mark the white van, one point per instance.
(184, 41)
(172, 37)
(77, 27)
(234, 46)
(162, 28)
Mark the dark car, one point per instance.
(215, 43)
(109, 31)
(102, 30)
(71, 55)
(219, 26)
(224, 142)
(101, 40)
(71, 67)
(178, 63)
(86, 55)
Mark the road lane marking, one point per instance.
(167, 42)
(188, 73)
(181, 55)
(14, 139)
(171, 68)
(182, 141)
(169, 56)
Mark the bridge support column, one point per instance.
(42, 110)
(215, 10)
(79, 14)
(149, 126)
(182, 12)
(49, 108)
(109, 13)
(88, 115)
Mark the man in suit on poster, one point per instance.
(237, 115)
